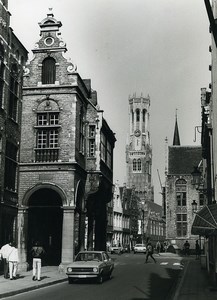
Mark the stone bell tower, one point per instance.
(138, 149)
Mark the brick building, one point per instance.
(180, 192)
(13, 56)
(66, 157)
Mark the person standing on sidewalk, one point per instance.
(13, 262)
(197, 249)
(149, 252)
(5, 250)
(37, 253)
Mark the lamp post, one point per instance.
(196, 177)
(194, 206)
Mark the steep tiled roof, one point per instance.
(182, 159)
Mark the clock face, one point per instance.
(137, 132)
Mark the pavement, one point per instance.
(193, 283)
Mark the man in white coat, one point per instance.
(13, 262)
(5, 250)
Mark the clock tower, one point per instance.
(138, 149)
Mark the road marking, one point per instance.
(164, 263)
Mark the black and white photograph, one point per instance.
(108, 149)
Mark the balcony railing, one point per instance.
(46, 155)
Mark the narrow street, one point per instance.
(132, 280)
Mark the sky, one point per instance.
(158, 48)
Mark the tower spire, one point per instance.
(176, 139)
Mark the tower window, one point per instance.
(48, 71)
(137, 165)
(137, 115)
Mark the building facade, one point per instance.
(13, 57)
(181, 194)
(138, 149)
(66, 157)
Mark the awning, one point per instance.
(205, 221)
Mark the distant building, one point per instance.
(138, 149)
(180, 193)
(13, 56)
(117, 217)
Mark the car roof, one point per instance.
(91, 252)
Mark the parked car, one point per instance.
(139, 248)
(90, 264)
(116, 249)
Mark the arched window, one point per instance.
(139, 165)
(48, 71)
(13, 92)
(134, 165)
(2, 69)
(181, 188)
(143, 115)
(137, 115)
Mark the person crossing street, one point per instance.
(149, 252)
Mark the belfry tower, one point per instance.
(138, 149)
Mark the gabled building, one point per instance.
(66, 157)
(180, 192)
(13, 56)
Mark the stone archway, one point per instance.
(45, 221)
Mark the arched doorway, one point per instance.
(45, 220)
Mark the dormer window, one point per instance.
(48, 71)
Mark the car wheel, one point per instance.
(70, 280)
(100, 279)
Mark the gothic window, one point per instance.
(48, 71)
(137, 115)
(181, 194)
(47, 136)
(10, 166)
(134, 165)
(2, 69)
(139, 165)
(143, 120)
(13, 92)
(132, 116)
(181, 224)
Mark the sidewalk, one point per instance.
(194, 283)
(24, 282)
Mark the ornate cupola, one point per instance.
(50, 35)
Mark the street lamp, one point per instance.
(196, 177)
(194, 206)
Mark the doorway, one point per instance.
(45, 220)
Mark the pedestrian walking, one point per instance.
(149, 252)
(186, 248)
(13, 261)
(37, 253)
(158, 247)
(5, 250)
(197, 249)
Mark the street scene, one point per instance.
(108, 149)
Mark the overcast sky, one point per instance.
(155, 47)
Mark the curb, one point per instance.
(180, 282)
(31, 288)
